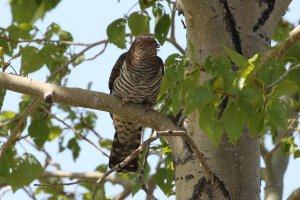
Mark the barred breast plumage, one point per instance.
(135, 78)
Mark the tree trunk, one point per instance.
(246, 27)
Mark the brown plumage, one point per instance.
(135, 78)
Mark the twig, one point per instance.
(172, 36)
(282, 77)
(45, 41)
(147, 191)
(53, 74)
(98, 54)
(290, 127)
(76, 131)
(29, 193)
(281, 49)
(89, 127)
(66, 184)
(133, 155)
(183, 134)
(15, 132)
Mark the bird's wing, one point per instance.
(161, 64)
(115, 72)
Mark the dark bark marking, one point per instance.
(204, 186)
(222, 187)
(189, 177)
(264, 15)
(231, 27)
(199, 187)
(222, 106)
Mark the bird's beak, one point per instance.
(157, 45)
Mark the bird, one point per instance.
(135, 78)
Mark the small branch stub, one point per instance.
(48, 98)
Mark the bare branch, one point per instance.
(98, 54)
(58, 184)
(53, 74)
(44, 40)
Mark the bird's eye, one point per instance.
(140, 45)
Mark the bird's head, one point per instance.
(144, 45)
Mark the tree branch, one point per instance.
(281, 49)
(282, 77)
(295, 195)
(87, 99)
(92, 176)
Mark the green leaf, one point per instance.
(19, 31)
(174, 68)
(271, 71)
(177, 99)
(284, 88)
(51, 30)
(2, 95)
(256, 123)
(26, 169)
(162, 28)
(7, 163)
(144, 4)
(230, 79)
(30, 61)
(197, 98)
(216, 65)
(30, 10)
(278, 112)
(294, 76)
(54, 132)
(138, 23)
(100, 194)
(116, 33)
(164, 179)
(282, 31)
(232, 122)
(237, 58)
(39, 131)
(78, 60)
(164, 86)
(247, 110)
(23, 10)
(74, 147)
(297, 154)
(210, 124)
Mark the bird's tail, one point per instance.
(127, 139)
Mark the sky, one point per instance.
(87, 21)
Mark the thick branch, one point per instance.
(295, 195)
(87, 99)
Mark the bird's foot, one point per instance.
(147, 105)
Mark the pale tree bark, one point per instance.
(276, 162)
(245, 26)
